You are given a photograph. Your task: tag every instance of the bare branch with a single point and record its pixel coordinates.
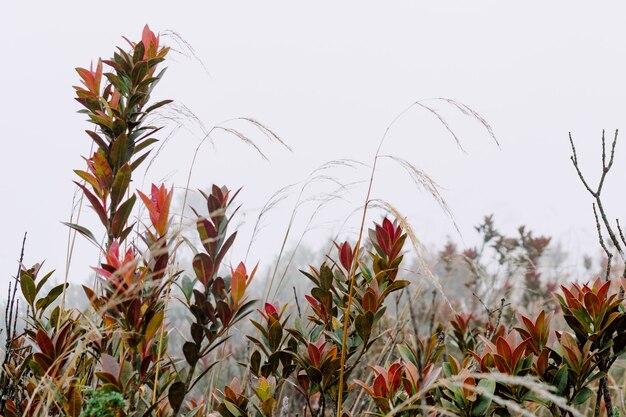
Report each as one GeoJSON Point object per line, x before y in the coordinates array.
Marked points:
{"type": "Point", "coordinates": [621, 232]}
{"type": "Point", "coordinates": [608, 253]}
{"type": "Point", "coordinates": [574, 159]}
{"type": "Point", "coordinates": [598, 207]}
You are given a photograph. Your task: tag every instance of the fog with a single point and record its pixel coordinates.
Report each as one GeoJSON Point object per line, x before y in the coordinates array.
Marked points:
{"type": "Point", "coordinates": [329, 79]}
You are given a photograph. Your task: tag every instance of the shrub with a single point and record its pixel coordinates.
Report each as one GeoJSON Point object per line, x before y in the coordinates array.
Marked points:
{"type": "Point", "coordinates": [344, 354]}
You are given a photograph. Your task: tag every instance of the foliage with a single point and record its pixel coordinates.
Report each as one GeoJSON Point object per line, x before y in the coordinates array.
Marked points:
{"type": "Point", "coordinates": [346, 353]}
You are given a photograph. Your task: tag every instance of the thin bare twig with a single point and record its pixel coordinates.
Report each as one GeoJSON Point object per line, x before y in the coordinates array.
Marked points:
{"type": "Point", "coordinates": [599, 213]}
{"type": "Point", "coordinates": [597, 193]}
{"type": "Point", "coordinates": [295, 296]}
{"type": "Point", "coordinates": [609, 255]}
{"type": "Point", "coordinates": [6, 384]}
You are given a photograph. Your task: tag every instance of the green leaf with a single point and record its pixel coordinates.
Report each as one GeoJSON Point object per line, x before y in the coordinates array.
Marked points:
{"type": "Point", "coordinates": [225, 246]}
{"type": "Point", "coordinates": [83, 231]}
{"type": "Point", "coordinates": [259, 344]}
{"type": "Point", "coordinates": [260, 327]}
{"type": "Point", "coordinates": [120, 185]}
{"type": "Point", "coordinates": [139, 146]}
{"type": "Point", "coordinates": [135, 164]}
{"type": "Point", "coordinates": [54, 293]}
{"type": "Point", "coordinates": [54, 315]}
{"type": "Point", "coordinates": [121, 216]}
{"type": "Point", "coordinates": [139, 72]}
{"type": "Point", "coordinates": [90, 179]}
{"type": "Point", "coordinates": [326, 278]}
{"type": "Point", "coordinates": [153, 325]}
{"type": "Point", "coordinates": [244, 310]}
{"type": "Point", "coordinates": [42, 281]}
{"type": "Point", "coordinates": [394, 286]}
{"type": "Point", "coordinates": [560, 380]}
{"type": "Point", "coordinates": [134, 100]}
{"type": "Point", "coordinates": [154, 80]}
{"type": "Point", "coordinates": [126, 232]}
{"type": "Point", "coordinates": [595, 377]}
{"type": "Point", "coordinates": [310, 276]}
{"type": "Point", "coordinates": [157, 105]}
{"type": "Point", "coordinates": [187, 285]}
{"type": "Point", "coordinates": [118, 83]}
{"type": "Point", "coordinates": [119, 128]}
{"type": "Point", "coordinates": [35, 367]}
{"type": "Point", "coordinates": [119, 151]}
{"type": "Point", "coordinates": [139, 51]}
{"type": "Point", "coordinates": [28, 288]}
{"type": "Point", "coordinates": [335, 337]}
{"type": "Point", "coordinates": [406, 354]}
{"type": "Point", "coordinates": [363, 324]}
{"type": "Point", "coordinates": [582, 396]}
{"type": "Point", "coordinates": [482, 405]}
{"type": "Point", "coordinates": [232, 408]}
{"type": "Point", "coordinates": [42, 303]}
{"type": "Point", "coordinates": [103, 122]}
{"type": "Point", "coordinates": [275, 335]}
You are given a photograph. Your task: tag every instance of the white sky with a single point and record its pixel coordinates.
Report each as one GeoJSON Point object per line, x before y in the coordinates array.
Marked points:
{"type": "Point", "coordinates": [328, 78]}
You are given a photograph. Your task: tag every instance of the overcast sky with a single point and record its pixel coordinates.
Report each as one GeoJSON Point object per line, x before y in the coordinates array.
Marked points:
{"type": "Point", "coordinates": [328, 77]}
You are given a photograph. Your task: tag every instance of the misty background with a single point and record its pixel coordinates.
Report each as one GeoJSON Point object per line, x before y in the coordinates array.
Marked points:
{"type": "Point", "coordinates": [328, 78]}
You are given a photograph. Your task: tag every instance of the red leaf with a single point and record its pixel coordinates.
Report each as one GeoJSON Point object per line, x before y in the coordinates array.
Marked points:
{"type": "Point", "coordinates": [238, 283]}
{"type": "Point", "coordinates": [504, 349]}
{"type": "Point", "coordinates": [314, 354]}
{"type": "Point", "coordinates": [370, 302]}
{"type": "Point", "coordinates": [203, 267]}
{"type": "Point", "coordinates": [270, 309]}
{"type": "Point", "coordinates": [395, 376]}
{"type": "Point", "coordinates": [380, 386]}
{"type": "Point", "coordinates": [44, 343]}
{"type": "Point", "coordinates": [501, 364]}
{"type": "Point", "coordinates": [345, 256]}
{"type": "Point", "coordinates": [95, 203]}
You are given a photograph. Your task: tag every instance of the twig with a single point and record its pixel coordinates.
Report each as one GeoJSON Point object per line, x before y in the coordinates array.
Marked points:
{"type": "Point", "coordinates": [11, 327]}
{"type": "Point", "coordinates": [608, 402]}
{"type": "Point", "coordinates": [609, 255]}
{"type": "Point", "coordinates": [413, 319]}
{"type": "Point", "coordinates": [621, 232]}
{"type": "Point", "coordinates": [491, 312]}
{"type": "Point", "coordinates": [606, 167]}
{"type": "Point", "coordinates": [621, 235]}
{"type": "Point", "coordinates": [295, 296]}
{"type": "Point", "coordinates": [600, 213]}
{"type": "Point", "coordinates": [500, 310]}
{"type": "Point", "coordinates": [434, 311]}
